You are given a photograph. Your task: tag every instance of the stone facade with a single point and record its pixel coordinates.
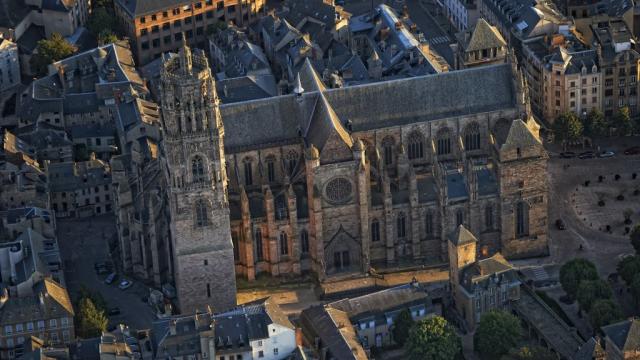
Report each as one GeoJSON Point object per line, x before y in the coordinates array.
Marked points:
{"type": "Point", "coordinates": [194, 166]}
{"type": "Point", "coordinates": [339, 181]}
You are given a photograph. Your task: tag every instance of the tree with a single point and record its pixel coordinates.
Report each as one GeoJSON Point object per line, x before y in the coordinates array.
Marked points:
{"type": "Point", "coordinates": [622, 122]}
{"type": "Point", "coordinates": [101, 19]}
{"type": "Point", "coordinates": [635, 238]}
{"type": "Point", "coordinates": [96, 4]}
{"type": "Point", "coordinates": [567, 127]}
{"type": "Point", "coordinates": [91, 322]}
{"type": "Point", "coordinates": [589, 291]}
{"type": "Point", "coordinates": [530, 353]}
{"type": "Point", "coordinates": [497, 333]}
{"type": "Point", "coordinates": [49, 51]}
{"type": "Point", "coordinates": [604, 312]}
{"type": "Point", "coordinates": [574, 272]}
{"type": "Point", "coordinates": [106, 36]}
{"type": "Point", "coordinates": [401, 327]}
{"type": "Point", "coordinates": [594, 124]}
{"type": "Point", "coordinates": [628, 268]}
{"type": "Point", "coordinates": [432, 339]}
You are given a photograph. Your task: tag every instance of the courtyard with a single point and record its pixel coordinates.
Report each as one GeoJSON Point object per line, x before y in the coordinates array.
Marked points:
{"type": "Point", "coordinates": [606, 204]}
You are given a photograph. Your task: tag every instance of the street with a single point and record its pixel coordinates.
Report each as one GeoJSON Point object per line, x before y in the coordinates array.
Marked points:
{"type": "Point", "coordinates": [83, 242]}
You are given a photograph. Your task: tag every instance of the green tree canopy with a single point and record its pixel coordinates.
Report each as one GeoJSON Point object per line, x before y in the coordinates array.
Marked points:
{"type": "Point", "coordinates": [91, 322]}
{"type": "Point", "coordinates": [567, 127]}
{"type": "Point", "coordinates": [432, 339]}
{"type": "Point", "coordinates": [401, 327]}
{"type": "Point", "coordinates": [497, 333]}
{"type": "Point", "coordinates": [106, 37]}
{"type": "Point", "coordinates": [595, 124]}
{"type": "Point", "coordinates": [100, 20]}
{"type": "Point", "coordinates": [589, 291]}
{"type": "Point", "coordinates": [102, 4]}
{"type": "Point", "coordinates": [574, 272]}
{"type": "Point", "coordinates": [530, 353]}
{"type": "Point", "coordinates": [628, 268]}
{"type": "Point", "coordinates": [604, 312]}
{"type": "Point", "coordinates": [635, 238]}
{"type": "Point", "coordinates": [622, 122]}
{"type": "Point", "coordinates": [49, 51]}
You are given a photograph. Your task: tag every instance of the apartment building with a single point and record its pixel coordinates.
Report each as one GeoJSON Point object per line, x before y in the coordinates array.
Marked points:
{"type": "Point", "coordinates": [45, 312]}
{"type": "Point", "coordinates": [156, 27]}
{"type": "Point", "coordinates": [571, 82]}
{"type": "Point", "coordinates": [619, 62]}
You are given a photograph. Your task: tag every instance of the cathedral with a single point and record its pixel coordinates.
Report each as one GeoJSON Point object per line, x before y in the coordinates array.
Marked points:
{"type": "Point", "coordinates": [335, 181]}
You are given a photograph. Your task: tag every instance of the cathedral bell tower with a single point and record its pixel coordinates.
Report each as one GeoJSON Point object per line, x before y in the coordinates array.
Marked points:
{"type": "Point", "coordinates": [194, 162]}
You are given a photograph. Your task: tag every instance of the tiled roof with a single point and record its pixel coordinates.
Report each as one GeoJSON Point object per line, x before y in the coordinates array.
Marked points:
{"type": "Point", "coordinates": [485, 36]}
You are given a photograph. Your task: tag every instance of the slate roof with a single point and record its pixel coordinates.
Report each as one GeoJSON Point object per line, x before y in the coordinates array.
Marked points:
{"type": "Point", "coordinates": [245, 88]}
{"type": "Point", "coordinates": [574, 61]}
{"type": "Point", "coordinates": [520, 135]}
{"type": "Point", "coordinates": [58, 5]}
{"type": "Point", "coordinates": [233, 329]}
{"type": "Point", "coordinates": [482, 273]}
{"type": "Point", "coordinates": [57, 304]}
{"type": "Point", "coordinates": [625, 335]}
{"type": "Point", "coordinates": [324, 124]}
{"type": "Point", "coordinates": [380, 301]}
{"type": "Point", "coordinates": [335, 331]}
{"type": "Point", "coordinates": [485, 36]}
{"type": "Point", "coordinates": [590, 350]}
{"type": "Point", "coordinates": [258, 123]}
{"type": "Point", "coordinates": [462, 236]}
{"type": "Point", "coordinates": [137, 8]}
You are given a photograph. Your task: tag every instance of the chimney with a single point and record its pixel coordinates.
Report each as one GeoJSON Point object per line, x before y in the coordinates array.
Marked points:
{"type": "Point", "coordinates": [172, 327]}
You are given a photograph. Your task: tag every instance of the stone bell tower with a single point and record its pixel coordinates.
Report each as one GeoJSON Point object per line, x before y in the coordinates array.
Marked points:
{"type": "Point", "coordinates": [195, 170]}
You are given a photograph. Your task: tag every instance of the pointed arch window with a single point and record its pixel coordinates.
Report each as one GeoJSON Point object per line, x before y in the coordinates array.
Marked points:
{"type": "Point", "coordinates": [472, 137]}
{"type": "Point", "coordinates": [292, 161]}
{"type": "Point", "coordinates": [459, 217]}
{"type": "Point", "coordinates": [271, 169]}
{"type": "Point", "coordinates": [444, 141]}
{"type": "Point", "coordinates": [258, 244]}
{"type": "Point", "coordinates": [375, 230]}
{"type": "Point", "coordinates": [197, 169]}
{"type": "Point", "coordinates": [416, 146]}
{"type": "Point", "coordinates": [428, 226]}
{"type": "Point", "coordinates": [202, 210]}
{"type": "Point", "coordinates": [488, 217]}
{"type": "Point", "coordinates": [387, 148]}
{"type": "Point", "coordinates": [284, 244]}
{"type": "Point", "coordinates": [401, 226]}
{"type": "Point", "coordinates": [304, 241]}
{"type": "Point", "coordinates": [248, 171]}
{"type": "Point", "coordinates": [522, 219]}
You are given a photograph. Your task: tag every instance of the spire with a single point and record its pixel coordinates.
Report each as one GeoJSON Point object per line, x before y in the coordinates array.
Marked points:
{"type": "Point", "coordinates": [185, 57]}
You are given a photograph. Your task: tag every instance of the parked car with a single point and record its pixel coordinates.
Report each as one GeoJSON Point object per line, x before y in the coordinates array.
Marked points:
{"type": "Point", "coordinates": [101, 270]}
{"type": "Point", "coordinates": [110, 279]}
{"type": "Point", "coordinates": [634, 150]}
{"type": "Point", "coordinates": [567, 154]}
{"type": "Point", "coordinates": [587, 155]}
{"type": "Point", "coordinates": [560, 224]}
{"type": "Point", "coordinates": [114, 311]}
{"type": "Point", "coordinates": [125, 284]}
{"type": "Point", "coordinates": [606, 154]}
